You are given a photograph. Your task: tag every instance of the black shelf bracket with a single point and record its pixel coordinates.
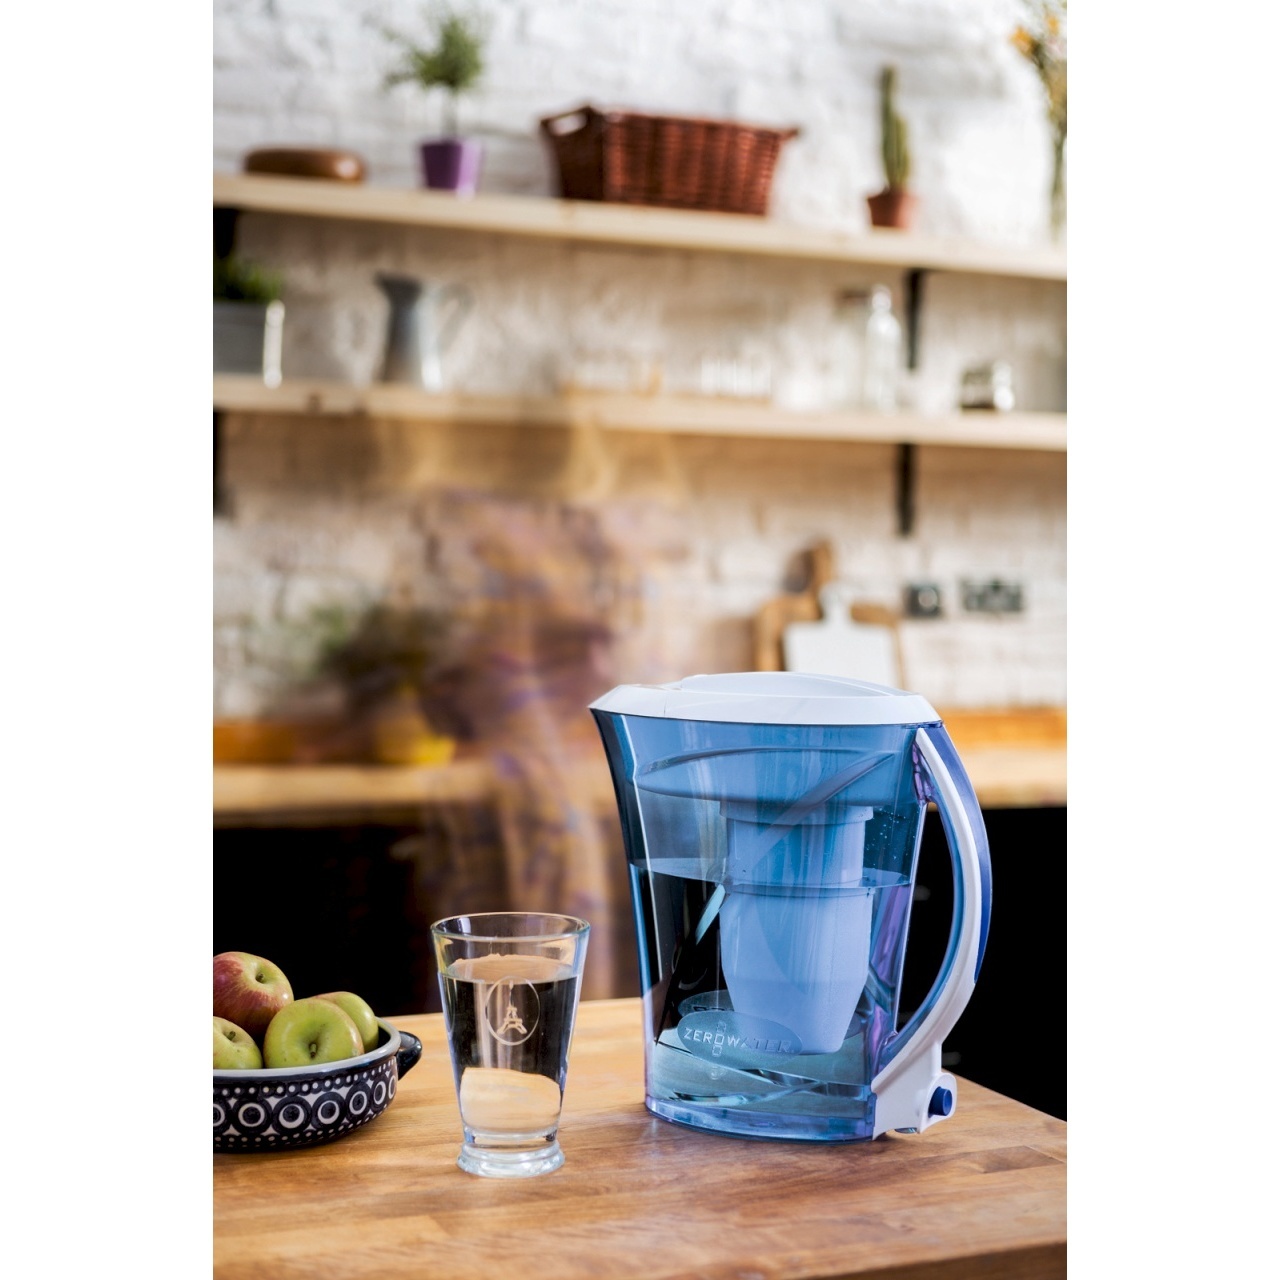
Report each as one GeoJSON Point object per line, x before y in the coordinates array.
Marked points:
{"type": "Point", "coordinates": [221, 498]}
{"type": "Point", "coordinates": [913, 300]}
{"type": "Point", "coordinates": [905, 497]}
{"type": "Point", "coordinates": [224, 241]}
{"type": "Point", "coordinates": [224, 230]}
{"type": "Point", "coordinates": [906, 490]}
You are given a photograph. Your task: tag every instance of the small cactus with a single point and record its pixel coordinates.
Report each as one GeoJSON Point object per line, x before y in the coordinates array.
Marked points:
{"type": "Point", "coordinates": [893, 135]}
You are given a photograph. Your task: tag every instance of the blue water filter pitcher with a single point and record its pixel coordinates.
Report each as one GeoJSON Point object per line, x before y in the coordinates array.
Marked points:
{"type": "Point", "coordinates": [772, 822]}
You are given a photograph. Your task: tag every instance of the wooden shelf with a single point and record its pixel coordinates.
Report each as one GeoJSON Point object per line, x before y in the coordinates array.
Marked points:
{"type": "Point", "coordinates": [1014, 759]}
{"type": "Point", "coordinates": [671, 414]}
{"type": "Point", "coordinates": [246, 794]}
{"type": "Point", "coordinates": [582, 221]}
{"type": "Point", "coordinates": [1003, 777]}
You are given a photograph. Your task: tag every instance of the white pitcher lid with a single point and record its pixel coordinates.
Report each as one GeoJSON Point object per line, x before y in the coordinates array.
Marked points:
{"type": "Point", "coordinates": [770, 697]}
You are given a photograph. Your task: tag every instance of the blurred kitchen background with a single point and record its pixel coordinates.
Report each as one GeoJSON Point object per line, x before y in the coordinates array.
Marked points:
{"type": "Point", "coordinates": [627, 445]}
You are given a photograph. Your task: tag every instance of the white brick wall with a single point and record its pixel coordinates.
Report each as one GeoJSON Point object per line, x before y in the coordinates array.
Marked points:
{"type": "Point", "coordinates": [341, 511]}
{"type": "Point", "coordinates": [309, 72]}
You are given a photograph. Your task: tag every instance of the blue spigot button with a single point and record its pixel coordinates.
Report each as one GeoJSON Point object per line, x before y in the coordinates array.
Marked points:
{"type": "Point", "coordinates": [941, 1102]}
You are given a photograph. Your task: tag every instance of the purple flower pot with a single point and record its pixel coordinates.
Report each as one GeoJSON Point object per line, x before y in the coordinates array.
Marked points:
{"type": "Point", "coordinates": [451, 164]}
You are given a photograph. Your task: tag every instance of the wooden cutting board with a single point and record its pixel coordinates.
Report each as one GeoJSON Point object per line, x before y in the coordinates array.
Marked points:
{"type": "Point", "coordinates": [836, 645]}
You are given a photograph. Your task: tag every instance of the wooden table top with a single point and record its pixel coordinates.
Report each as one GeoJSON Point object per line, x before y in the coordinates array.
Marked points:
{"type": "Point", "coordinates": [982, 1194]}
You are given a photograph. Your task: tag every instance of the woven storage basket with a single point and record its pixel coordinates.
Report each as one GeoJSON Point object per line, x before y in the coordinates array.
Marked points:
{"type": "Point", "coordinates": [680, 162]}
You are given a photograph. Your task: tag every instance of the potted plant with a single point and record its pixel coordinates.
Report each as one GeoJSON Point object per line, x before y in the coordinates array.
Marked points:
{"type": "Point", "coordinates": [385, 661]}
{"type": "Point", "coordinates": [248, 319]}
{"type": "Point", "coordinates": [895, 206]}
{"type": "Point", "coordinates": [347, 681]}
{"type": "Point", "coordinates": [1044, 44]}
{"type": "Point", "coordinates": [454, 62]}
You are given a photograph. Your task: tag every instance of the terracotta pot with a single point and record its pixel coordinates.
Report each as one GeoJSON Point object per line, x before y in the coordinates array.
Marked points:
{"type": "Point", "coordinates": [892, 209]}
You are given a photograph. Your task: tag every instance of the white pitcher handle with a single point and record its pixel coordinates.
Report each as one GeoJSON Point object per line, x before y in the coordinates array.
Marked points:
{"type": "Point", "coordinates": [912, 1091]}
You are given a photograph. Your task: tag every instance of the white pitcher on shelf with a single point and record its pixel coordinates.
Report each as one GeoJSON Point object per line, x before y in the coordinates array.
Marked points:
{"type": "Point", "coordinates": [422, 323]}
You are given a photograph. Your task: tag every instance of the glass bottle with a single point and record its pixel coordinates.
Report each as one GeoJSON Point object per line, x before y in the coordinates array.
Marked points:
{"type": "Point", "coordinates": [882, 353]}
{"type": "Point", "coordinates": [848, 333]}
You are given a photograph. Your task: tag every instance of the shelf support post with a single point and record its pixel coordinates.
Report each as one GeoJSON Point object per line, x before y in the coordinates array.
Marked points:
{"type": "Point", "coordinates": [914, 301]}
{"type": "Point", "coordinates": [905, 497]}
{"type": "Point", "coordinates": [906, 490]}
{"type": "Point", "coordinates": [221, 499]}
{"type": "Point", "coordinates": [224, 230]}
{"type": "Point", "coordinates": [225, 219]}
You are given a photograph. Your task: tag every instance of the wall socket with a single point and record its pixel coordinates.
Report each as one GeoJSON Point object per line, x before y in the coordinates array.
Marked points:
{"type": "Point", "coordinates": [922, 600]}
{"type": "Point", "coordinates": [993, 596]}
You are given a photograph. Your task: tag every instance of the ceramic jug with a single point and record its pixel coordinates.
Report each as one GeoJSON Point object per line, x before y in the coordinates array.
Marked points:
{"type": "Point", "coordinates": [422, 322]}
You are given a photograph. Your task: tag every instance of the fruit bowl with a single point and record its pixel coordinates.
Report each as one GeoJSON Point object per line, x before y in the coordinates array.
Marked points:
{"type": "Point", "coordinates": [279, 1108]}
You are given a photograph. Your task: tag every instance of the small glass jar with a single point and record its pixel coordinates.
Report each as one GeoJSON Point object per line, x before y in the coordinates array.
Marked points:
{"type": "Point", "coordinates": [987, 386]}
{"type": "Point", "coordinates": [845, 355]}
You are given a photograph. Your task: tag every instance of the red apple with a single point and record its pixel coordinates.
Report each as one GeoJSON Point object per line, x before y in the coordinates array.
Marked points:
{"type": "Point", "coordinates": [248, 991]}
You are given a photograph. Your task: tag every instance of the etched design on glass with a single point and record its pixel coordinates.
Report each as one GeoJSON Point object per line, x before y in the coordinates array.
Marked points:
{"type": "Point", "coordinates": [511, 1009]}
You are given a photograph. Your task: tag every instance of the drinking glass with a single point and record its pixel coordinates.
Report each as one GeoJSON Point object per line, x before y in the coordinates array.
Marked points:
{"type": "Point", "coordinates": [509, 981]}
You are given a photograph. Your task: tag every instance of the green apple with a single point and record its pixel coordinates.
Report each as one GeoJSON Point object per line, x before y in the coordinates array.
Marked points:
{"type": "Point", "coordinates": [359, 1012]}
{"type": "Point", "coordinates": [233, 1047]}
{"type": "Point", "coordinates": [310, 1031]}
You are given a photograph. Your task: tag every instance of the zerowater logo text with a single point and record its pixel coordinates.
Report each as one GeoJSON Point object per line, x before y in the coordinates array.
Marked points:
{"type": "Point", "coordinates": [717, 1039]}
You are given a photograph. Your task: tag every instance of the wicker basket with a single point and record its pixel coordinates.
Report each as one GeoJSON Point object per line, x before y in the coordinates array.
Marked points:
{"type": "Point", "coordinates": [676, 161]}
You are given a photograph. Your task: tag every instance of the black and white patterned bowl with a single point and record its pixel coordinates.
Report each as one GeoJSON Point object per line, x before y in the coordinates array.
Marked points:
{"type": "Point", "coordinates": [286, 1107]}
